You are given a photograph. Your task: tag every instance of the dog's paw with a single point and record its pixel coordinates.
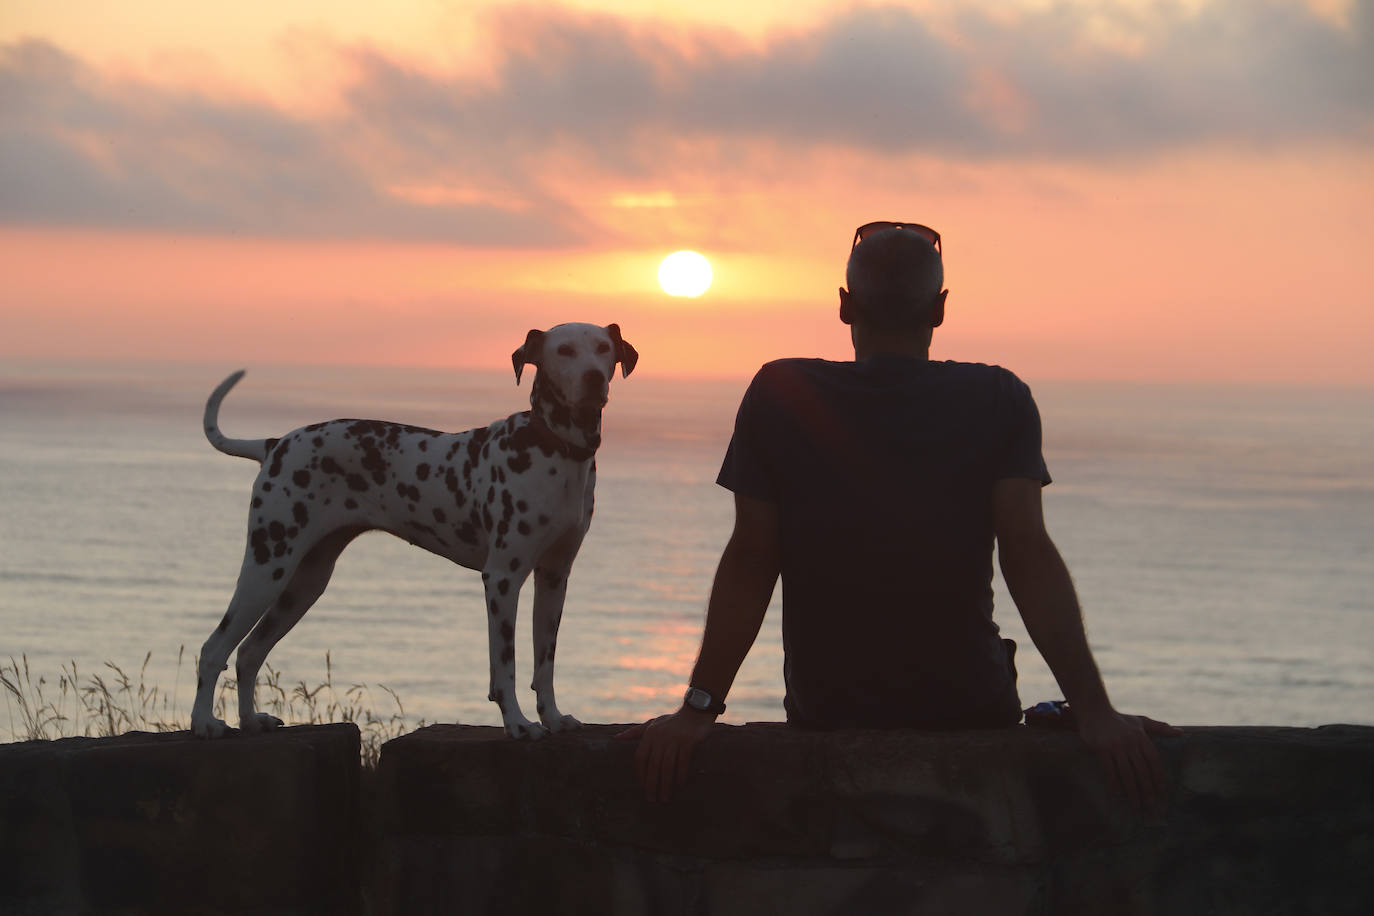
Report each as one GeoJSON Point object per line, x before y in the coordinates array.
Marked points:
{"type": "Point", "coordinates": [259, 722]}
{"type": "Point", "coordinates": [558, 724]}
{"type": "Point", "coordinates": [210, 728]}
{"type": "Point", "coordinates": [531, 731]}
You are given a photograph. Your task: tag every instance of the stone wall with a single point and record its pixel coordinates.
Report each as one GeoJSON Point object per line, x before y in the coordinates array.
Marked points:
{"type": "Point", "coordinates": [461, 820]}
{"type": "Point", "coordinates": [1259, 820]}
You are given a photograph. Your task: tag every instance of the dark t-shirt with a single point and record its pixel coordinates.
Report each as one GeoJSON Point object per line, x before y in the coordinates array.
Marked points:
{"type": "Point", "coordinates": [882, 472]}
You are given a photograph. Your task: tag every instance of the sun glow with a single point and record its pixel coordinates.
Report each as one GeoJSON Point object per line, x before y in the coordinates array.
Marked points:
{"type": "Point", "coordinates": [684, 273]}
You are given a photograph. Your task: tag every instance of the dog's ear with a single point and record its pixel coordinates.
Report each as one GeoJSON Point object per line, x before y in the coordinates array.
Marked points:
{"type": "Point", "coordinates": [530, 353]}
{"type": "Point", "coordinates": [625, 354]}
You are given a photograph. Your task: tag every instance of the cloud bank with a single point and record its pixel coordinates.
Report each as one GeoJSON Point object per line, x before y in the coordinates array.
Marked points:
{"type": "Point", "coordinates": [410, 153]}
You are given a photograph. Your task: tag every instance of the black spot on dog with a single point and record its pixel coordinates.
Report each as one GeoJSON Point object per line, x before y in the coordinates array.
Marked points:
{"type": "Point", "coordinates": [356, 483]}
{"type": "Point", "coordinates": [278, 573]}
{"type": "Point", "coordinates": [523, 527]}
{"type": "Point", "coordinates": [301, 478]}
{"type": "Point", "coordinates": [543, 519]}
{"type": "Point", "coordinates": [279, 551]}
{"type": "Point", "coordinates": [407, 491]}
{"type": "Point", "coordinates": [514, 564]}
{"type": "Point", "coordinates": [276, 531]}
{"type": "Point", "coordinates": [495, 608]}
{"type": "Point", "coordinates": [267, 486]}
{"type": "Point", "coordinates": [519, 462]}
{"type": "Point", "coordinates": [422, 470]}
{"type": "Point", "coordinates": [318, 442]}
{"type": "Point", "coordinates": [257, 501]}
{"type": "Point", "coordinates": [330, 466]}
{"type": "Point", "coordinates": [298, 512]}
{"type": "Point", "coordinates": [521, 506]}
{"type": "Point", "coordinates": [292, 532]}
{"type": "Point", "coordinates": [507, 632]}
{"type": "Point", "coordinates": [503, 587]}
{"type": "Point", "coordinates": [553, 471]}
{"type": "Point", "coordinates": [423, 446]}
{"type": "Point", "coordinates": [278, 453]}
{"type": "Point", "coordinates": [439, 516]}
{"type": "Point", "coordinates": [350, 503]}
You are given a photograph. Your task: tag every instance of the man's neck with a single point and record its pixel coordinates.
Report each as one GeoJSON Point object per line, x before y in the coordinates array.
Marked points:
{"type": "Point", "coordinates": [911, 345]}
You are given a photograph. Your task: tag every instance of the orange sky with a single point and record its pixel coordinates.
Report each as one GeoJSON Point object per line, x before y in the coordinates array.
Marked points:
{"type": "Point", "coordinates": [1123, 192]}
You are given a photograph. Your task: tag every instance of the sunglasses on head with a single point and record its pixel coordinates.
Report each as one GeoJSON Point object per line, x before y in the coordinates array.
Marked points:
{"type": "Point", "coordinates": [868, 229]}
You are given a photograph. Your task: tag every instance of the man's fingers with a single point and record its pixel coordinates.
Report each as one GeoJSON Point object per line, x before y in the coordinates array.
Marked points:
{"type": "Point", "coordinates": [1155, 763]}
{"type": "Point", "coordinates": [684, 757]}
{"type": "Point", "coordinates": [666, 769]}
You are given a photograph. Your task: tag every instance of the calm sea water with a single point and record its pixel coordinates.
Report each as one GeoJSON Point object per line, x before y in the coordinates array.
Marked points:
{"type": "Point", "coordinates": [1222, 541]}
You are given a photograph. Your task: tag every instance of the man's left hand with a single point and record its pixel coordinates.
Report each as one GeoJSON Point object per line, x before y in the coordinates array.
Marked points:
{"type": "Point", "coordinates": [1127, 751]}
{"type": "Point", "coordinates": [665, 749]}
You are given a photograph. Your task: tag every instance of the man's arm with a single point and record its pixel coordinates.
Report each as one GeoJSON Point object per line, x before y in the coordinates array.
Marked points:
{"type": "Point", "coordinates": [1044, 594]}
{"type": "Point", "coordinates": [743, 586]}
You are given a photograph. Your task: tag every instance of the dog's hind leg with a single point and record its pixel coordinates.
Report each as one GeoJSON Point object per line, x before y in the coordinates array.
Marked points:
{"type": "Point", "coordinates": [253, 595]}
{"type": "Point", "coordinates": [301, 592]}
{"type": "Point", "coordinates": [550, 589]}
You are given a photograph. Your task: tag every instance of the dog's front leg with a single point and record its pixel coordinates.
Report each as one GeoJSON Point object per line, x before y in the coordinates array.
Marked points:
{"type": "Point", "coordinates": [550, 590]}
{"type": "Point", "coordinates": [503, 593]}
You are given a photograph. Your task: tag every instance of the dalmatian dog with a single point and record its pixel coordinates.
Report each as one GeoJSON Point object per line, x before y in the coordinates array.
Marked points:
{"type": "Point", "coordinates": [512, 499]}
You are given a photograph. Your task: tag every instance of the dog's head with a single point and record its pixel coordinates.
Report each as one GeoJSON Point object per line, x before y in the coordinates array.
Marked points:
{"type": "Point", "coordinates": [577, 360]}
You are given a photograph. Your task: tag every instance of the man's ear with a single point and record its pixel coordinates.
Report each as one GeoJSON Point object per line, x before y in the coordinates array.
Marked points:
{"type": "Point", "coordinates": [846, 306]}
{"type": "Point", "coordinates": [531, 353]}
{"type": "Point", "coordinates": [937, 309]}
{"type": "Point", "coordinates": [625, 354]}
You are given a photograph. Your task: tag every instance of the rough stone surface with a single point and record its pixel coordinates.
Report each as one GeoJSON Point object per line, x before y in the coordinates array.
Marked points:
{"type": "Point", "coordinates": [167, 823]}
{"type": "Point", "coordinates": [775, 820]}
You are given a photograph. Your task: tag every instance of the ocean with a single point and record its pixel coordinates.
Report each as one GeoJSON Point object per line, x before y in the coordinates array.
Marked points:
{"type": "Point", "coordinates": [1222, 541]}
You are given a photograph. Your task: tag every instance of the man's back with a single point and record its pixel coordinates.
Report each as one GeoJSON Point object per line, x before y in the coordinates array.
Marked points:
{"type": "Point", "coordinates": [882, 473]}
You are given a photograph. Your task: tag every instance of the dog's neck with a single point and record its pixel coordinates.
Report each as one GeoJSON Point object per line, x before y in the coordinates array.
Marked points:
{"type": "Point", "coordinates": [574, 432]}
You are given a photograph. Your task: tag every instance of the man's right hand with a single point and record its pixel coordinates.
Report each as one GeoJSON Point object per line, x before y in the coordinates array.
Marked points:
{"type": "Point", "coordinates": [665, 749]}
{"type": "Point", "coordinates": [1128, 754]}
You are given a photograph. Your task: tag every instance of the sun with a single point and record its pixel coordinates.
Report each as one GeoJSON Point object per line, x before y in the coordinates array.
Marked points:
{"type": "Point", "coordinates": [684, 273]}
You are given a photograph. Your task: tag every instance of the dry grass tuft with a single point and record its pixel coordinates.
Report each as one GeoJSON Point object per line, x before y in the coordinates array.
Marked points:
{"type": "Point", "coordinates": [110, 703]}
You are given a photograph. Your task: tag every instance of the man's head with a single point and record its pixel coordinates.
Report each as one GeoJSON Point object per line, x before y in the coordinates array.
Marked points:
{"type": "Point", "coordinates": [895, 279]}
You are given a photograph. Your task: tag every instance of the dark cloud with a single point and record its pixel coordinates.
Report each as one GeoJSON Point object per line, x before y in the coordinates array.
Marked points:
{"type": "Point", "coordinates": [76, 148]}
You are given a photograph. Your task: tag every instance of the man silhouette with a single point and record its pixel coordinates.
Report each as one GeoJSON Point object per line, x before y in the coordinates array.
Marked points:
{"type": "Point", "coordinates": [876, 489]}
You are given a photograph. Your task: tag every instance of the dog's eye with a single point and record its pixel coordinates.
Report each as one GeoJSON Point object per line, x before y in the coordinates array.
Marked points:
{"type": "Point", "coordinates": [603, 348]}
{"type": "Point", "coordinates": [566, 350]}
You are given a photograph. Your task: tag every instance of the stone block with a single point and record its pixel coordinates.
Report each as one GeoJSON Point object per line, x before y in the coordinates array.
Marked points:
{"type": "Point", "coordinates": [166, 823]}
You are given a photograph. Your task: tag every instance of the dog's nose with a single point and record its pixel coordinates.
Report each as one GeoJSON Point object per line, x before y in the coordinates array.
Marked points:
{"type": "Point", "coordinates": [593, 379]}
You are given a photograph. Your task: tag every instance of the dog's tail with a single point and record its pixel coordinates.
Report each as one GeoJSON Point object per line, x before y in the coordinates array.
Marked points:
{"type": "Point", "coordinates": [242, 448]}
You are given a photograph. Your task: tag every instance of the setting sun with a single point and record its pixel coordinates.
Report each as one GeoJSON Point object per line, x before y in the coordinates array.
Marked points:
{"type": "Point", "coordinates": [684, 273]}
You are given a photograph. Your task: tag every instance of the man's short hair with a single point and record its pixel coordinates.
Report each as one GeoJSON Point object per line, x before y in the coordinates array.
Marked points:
{"type": "Point", "coordinates": [893, 277]}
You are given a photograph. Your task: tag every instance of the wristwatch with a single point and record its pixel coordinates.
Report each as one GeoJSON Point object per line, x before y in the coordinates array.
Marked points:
{"type": "Point", "coordinates": [702, 701]}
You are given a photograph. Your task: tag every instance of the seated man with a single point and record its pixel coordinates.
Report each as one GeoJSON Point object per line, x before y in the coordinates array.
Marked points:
{"type": "Point", "coordinates": [876, 489]}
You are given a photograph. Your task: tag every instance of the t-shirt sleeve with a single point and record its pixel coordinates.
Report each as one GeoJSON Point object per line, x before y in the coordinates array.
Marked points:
{"type": "Point", "coordinates": [747, 469]}
{"type": "Point", "coordinates": [1022, 455]}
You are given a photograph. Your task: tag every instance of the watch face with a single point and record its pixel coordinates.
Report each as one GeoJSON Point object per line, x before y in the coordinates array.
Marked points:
{"type": "Point", "coordinates": [698, 698]}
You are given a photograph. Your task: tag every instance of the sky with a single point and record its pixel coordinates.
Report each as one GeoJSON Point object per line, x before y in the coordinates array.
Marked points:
{"type": "Point", "coordinates": [1155, 191]}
